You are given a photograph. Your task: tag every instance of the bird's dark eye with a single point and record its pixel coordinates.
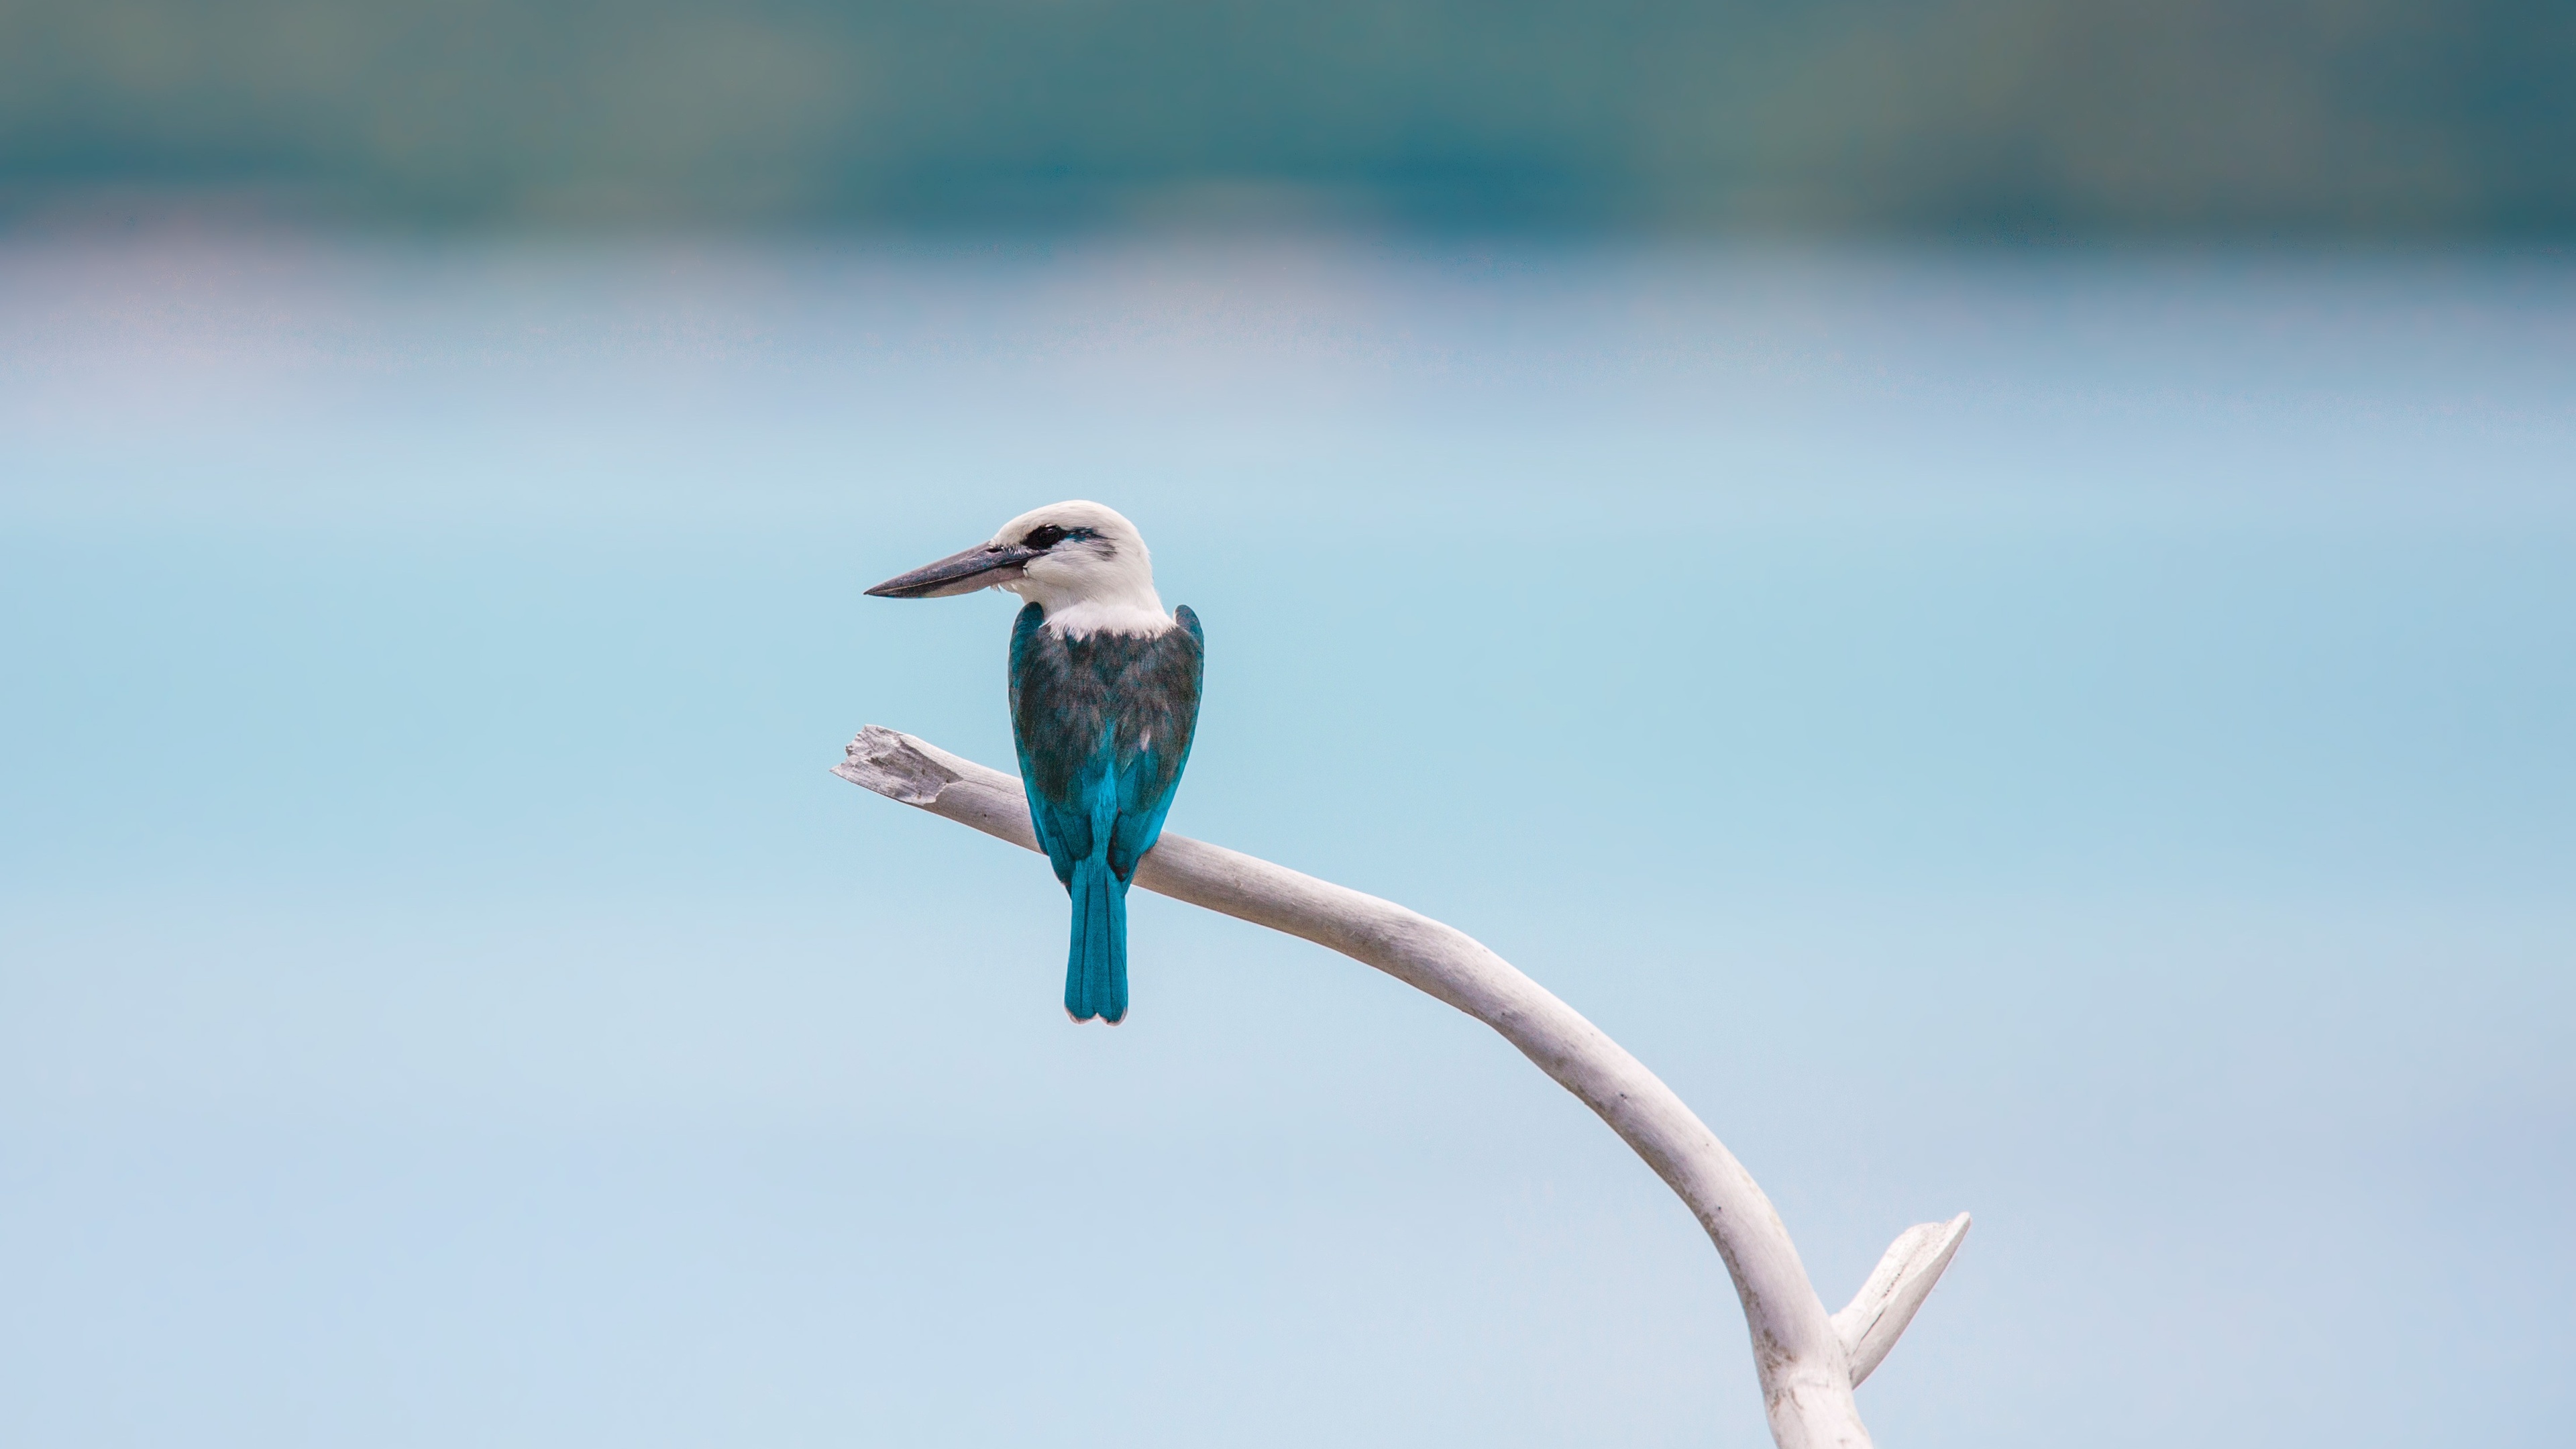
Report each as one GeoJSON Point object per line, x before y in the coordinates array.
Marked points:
{"type": "Point", "coordinates": [1048, 535]}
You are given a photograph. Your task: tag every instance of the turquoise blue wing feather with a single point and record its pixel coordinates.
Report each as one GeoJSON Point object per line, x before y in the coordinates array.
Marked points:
{"type": "Point", "coordinates": [1062, 834]}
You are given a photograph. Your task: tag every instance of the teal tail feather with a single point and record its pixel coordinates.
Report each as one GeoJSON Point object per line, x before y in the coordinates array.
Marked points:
{"type": "Point", "coordinates": [1095, 974]}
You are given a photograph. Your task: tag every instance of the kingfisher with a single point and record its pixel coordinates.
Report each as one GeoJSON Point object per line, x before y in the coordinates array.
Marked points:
{"type": "Point", "coordinates": [1104, 705]}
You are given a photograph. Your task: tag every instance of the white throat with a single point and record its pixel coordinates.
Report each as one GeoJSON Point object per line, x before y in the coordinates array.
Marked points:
{"type": "Point", "coordinates": [1096, 602]}
{"type": "Point", "coordinates": [1107, 616]}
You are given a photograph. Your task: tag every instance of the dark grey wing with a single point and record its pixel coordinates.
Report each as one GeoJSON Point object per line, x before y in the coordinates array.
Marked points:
{"type": "Point", "coordinates": [1157, 707]}
{"type": "Point", "coordinates": [1056, 704]}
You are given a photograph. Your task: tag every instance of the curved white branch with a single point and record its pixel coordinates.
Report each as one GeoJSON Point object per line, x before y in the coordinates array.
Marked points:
{"type": "Point", "coordinates": [1808, 1362]}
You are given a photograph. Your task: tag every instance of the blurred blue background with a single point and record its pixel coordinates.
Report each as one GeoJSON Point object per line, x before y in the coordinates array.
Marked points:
{"type": "Point", "coordinates": [2075, 732]}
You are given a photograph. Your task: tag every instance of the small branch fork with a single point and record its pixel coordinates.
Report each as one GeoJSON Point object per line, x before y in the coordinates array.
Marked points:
{"type": "Point", "coordinates": [1809, 1361]}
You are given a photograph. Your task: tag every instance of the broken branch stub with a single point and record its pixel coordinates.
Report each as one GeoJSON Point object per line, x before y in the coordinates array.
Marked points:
{"type": "Point", "coordinates": [1809, 1362]}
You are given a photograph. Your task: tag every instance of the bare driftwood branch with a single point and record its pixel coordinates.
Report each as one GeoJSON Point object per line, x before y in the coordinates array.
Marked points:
{"type": "Point", "coordinates": [1809, 1361]}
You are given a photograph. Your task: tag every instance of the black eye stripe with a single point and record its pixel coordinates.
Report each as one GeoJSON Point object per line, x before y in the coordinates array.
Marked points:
{"type": "Point", "coordinates": [1048, 535]}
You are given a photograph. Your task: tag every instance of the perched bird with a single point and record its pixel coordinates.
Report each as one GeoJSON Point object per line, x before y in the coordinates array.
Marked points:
{"type": "Point", "coordinates": [1104, 703]}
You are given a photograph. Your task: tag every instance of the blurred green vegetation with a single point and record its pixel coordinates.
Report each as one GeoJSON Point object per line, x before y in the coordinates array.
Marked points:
{"type": "Point", "coordinates": [2033, 117]}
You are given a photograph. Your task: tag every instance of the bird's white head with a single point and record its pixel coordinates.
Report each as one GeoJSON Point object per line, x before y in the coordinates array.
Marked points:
{"type": "Point", "coordinates": [1082, 562]}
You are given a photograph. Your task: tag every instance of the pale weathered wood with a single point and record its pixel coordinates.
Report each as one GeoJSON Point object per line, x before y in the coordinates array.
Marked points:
{"type": "Point", "coordinates": [1809, 1362]}
{"type": "Point", "coordinates": [1870, 1323]}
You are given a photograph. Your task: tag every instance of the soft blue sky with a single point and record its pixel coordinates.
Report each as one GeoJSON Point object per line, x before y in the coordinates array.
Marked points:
{"type": "Point", "coordinates": [2077, 738]}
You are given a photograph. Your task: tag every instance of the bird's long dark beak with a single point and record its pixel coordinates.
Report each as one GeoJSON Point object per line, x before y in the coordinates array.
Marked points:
{"type": "Point", "coordinates": [980, 567]}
